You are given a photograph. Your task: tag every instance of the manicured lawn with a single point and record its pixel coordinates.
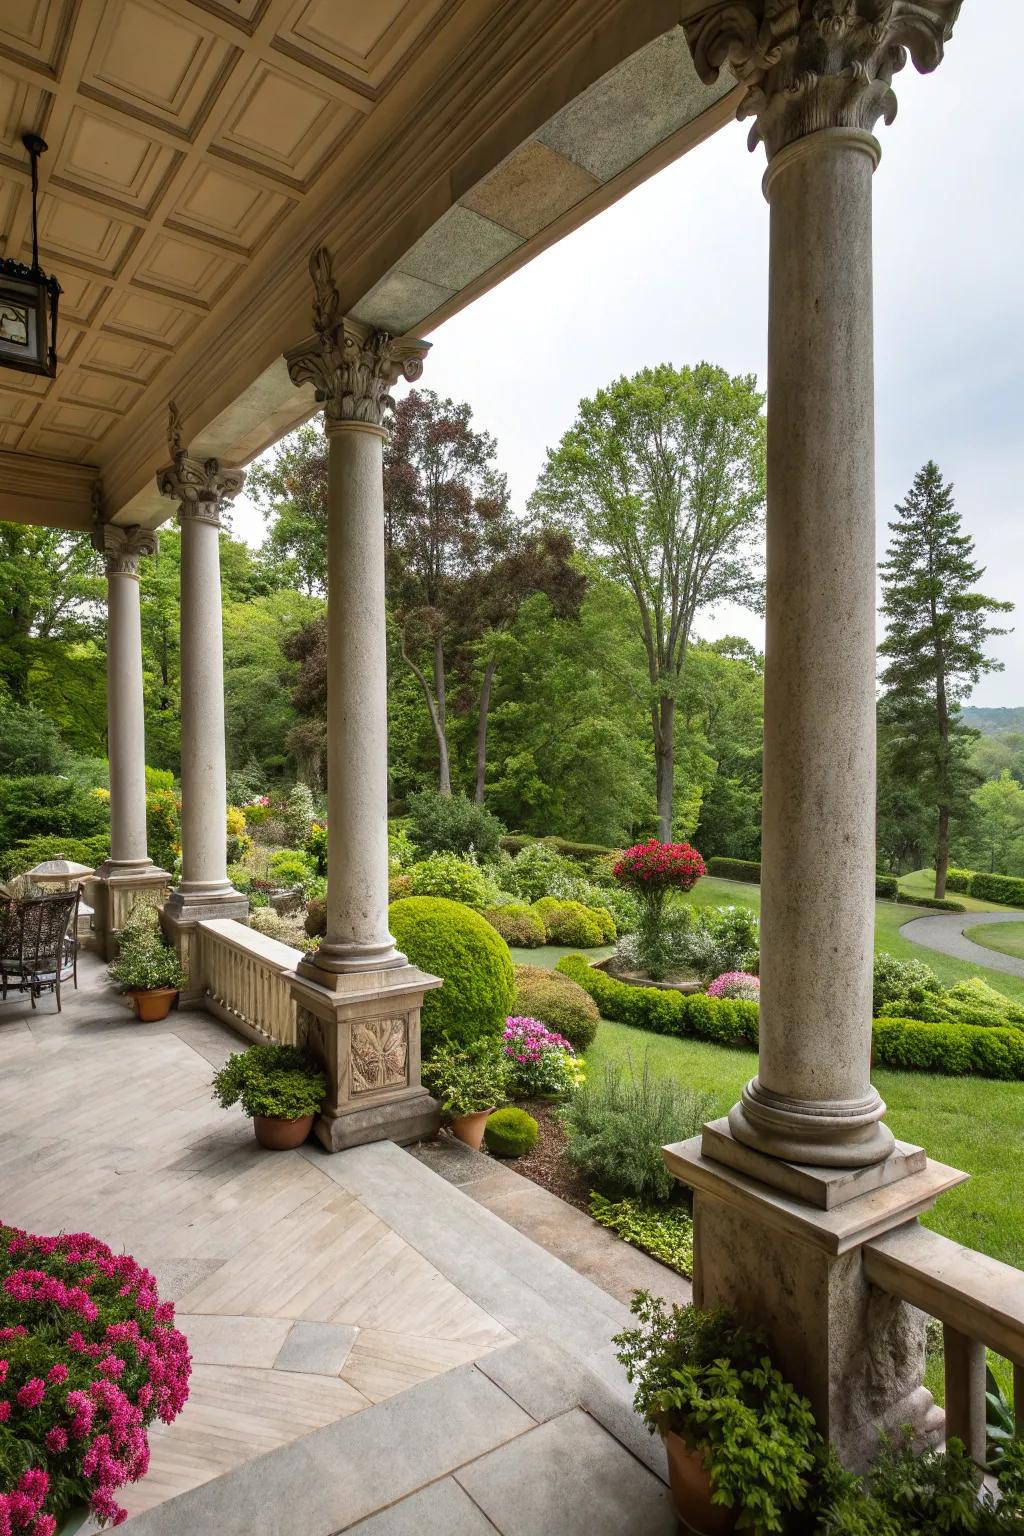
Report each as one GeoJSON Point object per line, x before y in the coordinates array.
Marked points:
{"type": "Point", "coordinates": [971, 1123]}
{"type": "Point", "coordinates": [921, 882]}
{"type": "Point", "coordinates": [1007, 938]}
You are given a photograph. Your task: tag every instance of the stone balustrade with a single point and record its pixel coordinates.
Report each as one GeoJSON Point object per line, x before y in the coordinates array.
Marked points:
{"type": "Point", "coordinates": [980, 1304]}
{"type": "Point", "coordinates": [242, 975]}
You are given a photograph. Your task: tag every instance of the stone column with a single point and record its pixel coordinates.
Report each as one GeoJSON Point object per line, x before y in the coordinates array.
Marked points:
{"type": "Point", "coordinates": [201, 488]}
{"type": "Point", "coordinates": [804, 1171]}
{"type": "Point", "coordinates": [359, 998]}
{"type": "Point", "coordinates": [129, 874]}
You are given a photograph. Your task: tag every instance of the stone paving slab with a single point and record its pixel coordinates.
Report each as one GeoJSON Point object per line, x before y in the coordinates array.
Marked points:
{"type": "Point", "coordinates": [443, 1507]}
{"type": "Point", "coordinates": [571, 1477]}
{"type": "Point", "coordinates": [320, 1348]}
{"type": "Point", "coordinates": [342, 1473]}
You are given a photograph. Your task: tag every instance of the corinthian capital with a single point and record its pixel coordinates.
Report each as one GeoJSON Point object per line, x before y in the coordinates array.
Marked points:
{"type": "Point", "coordinates": [122, 548]}
{"type": "Point", "coordinates": [811, 64]}
{"type": "Point", "coordinates": [201, 487]}
{"type": "Point", "coordinates": [350, 366]}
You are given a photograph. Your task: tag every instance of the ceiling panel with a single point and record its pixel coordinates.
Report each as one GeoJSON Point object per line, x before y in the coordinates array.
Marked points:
{"type": "Point", "coordinates": [36, 31]}
{"type": "Point", "coordinates": [282, 124]}
{"type": "Point", "coordinates": [351, 38]}
{"type": "Point", "coordinates": [115, 160]}
{"type": "Point", "coordinates": [221, 203]}
{"type": "Point", "coordinates": [155, 64]}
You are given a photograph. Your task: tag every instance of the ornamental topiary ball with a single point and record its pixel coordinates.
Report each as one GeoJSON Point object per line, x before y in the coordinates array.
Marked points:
{"type": "Point", "coordinates": [449, 940]}
{"type": "Point", "coordinates": [510, 1132]}
{"type": "Point", "coordinates": [518, 925]}
{"type": "Point", "coordinates": [557, 1001]}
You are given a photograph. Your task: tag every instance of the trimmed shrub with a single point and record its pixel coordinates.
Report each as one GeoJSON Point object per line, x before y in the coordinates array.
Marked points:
{"type": "Point", "coordinates": [895, 978]}
{"type": "Point", "coordinates": [570, 922]}
{"type": "Point", "coordinates": [449, 940]}
{"type": "Point", "coordinates": [31, 851]}
{"type": "Point", "coordinates": [315, 847]}
{"type": "Point", "coordinates": [887, 886]}
{"type": "Point", "coordinates": [959, 880]}
{"type": "Point", "coordinates": [620, 904]}
{"type": "Point", "coordinates": [399, 886]}
{"type": "Point", "coordinates": [957, 1050]}
{"type": "Point", "coordinates": [558, 1002]}
{"type": "Point", "coordinates": [617, 1127]}
{"type": "Point", "coordinates": [726, 1020]}
{"type": "Point", "coordinates": [1006, 889]}
{"type": "Point", "coordinates": [936, 903]}
{"type": "Point", "coordinates": [163, 826]}
{"type": "Point", "coordinates": [448, 876]}
{"type": "Point", "coordinates": [290, 867]}
{"type": "Point", "coordinates": [736, 869]}
{"type": "Point", "coordinates": [518, 925]}
{"type": "Point", "coordinates": [511, 1132]}
{"type": "Point", "coordinates": [452, 824]}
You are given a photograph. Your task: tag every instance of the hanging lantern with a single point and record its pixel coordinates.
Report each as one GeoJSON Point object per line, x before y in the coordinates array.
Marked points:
{"type": "Point", "coordinates": [28, 298]}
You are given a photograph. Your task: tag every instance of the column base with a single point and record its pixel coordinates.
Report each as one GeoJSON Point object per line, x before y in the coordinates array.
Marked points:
{"type": "Point", "coordinates": [796, 1270]}
{"type": "Point", "coordinates": [112, 892]}
{"type": "Point", "coordinates": [330, 963]}
{"type": "Point", "coordinates": [837, 1133]}
{"type": "Point", "coordinates": [364, 1029]}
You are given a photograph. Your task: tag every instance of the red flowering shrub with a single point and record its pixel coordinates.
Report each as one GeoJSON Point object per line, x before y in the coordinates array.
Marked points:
{"type": "Point", "coordinates": [653, 869]}
{"type": "Point", "coordinates": [89, 1357]}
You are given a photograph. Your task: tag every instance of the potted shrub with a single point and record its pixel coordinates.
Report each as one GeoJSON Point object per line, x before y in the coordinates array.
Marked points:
{"type": "Point", "coordinates": [90, 1358]}
{"type": "Point", "coordinates": [470, 1082]}
{"type": "Point", "coordinates": [147, 967]}
{"type": "Point", "coordinates": [279, 1087]}
{"type": "Point", "coordinates": [741, 1441]}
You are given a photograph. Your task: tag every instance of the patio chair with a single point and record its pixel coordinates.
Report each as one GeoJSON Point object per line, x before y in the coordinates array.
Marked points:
{"type": "Point", "coordinates": [34, 953]}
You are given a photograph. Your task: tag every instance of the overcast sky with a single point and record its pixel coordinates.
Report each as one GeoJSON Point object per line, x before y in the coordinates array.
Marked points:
{"type": "Point", "coordinates": [677, 271]}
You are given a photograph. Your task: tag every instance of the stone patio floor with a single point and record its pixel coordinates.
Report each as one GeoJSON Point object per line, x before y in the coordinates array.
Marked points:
{"type": "Point", "coordinates": [374, 1348]}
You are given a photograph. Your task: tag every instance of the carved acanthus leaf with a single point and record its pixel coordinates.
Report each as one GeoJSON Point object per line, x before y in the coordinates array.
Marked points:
{"type": "Point", "coordinates": [201, 487]}
{"type": "Point", "coordinates": [122, 548]}
{"type": "Point", "coordinates": [812, 64]}
{"type": "Point", "coordinates": [380, 1055]}
{"type": "Point", "coordinates": [350, 366]}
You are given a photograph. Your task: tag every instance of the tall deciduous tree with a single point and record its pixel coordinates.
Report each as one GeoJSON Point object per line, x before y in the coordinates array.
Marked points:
{"type": "Point", "coordinates": [662, 479]}
{"type": "Point", "coordinates": [936, 632]}
{"type": "Point", "coordinates": [447, 520]}
{"type": "Point", "coordinates": [53, 590]}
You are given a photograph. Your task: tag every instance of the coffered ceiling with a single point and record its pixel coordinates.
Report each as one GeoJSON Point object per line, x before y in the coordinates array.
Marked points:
{"type": "Point", "coordinates": [199, 148]}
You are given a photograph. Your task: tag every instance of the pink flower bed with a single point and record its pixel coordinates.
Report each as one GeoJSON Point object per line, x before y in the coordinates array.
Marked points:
{"type": "Point", "coordinates": [736, 984]}
{"type": "Point", "coordinates": [89, 1357]}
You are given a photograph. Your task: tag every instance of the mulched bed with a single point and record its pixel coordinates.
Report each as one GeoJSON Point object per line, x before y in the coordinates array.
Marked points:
{"type": "Point", "coordinates": [548, 1164]}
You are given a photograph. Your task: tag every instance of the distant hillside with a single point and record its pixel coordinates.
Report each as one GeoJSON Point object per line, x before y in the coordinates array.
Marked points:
{"type": "Point", "coordinates": [993, 722]}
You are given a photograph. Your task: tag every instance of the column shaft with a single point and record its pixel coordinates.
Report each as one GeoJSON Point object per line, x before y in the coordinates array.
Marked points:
{"type": "Point", "coordinates": [812, 1100]}
{"type": "Point", "coordinates": [357, 936]}
{"type": "Point", "coordinates": [126, 730]}
{"type": "Point", "coordinates": [203, 766]}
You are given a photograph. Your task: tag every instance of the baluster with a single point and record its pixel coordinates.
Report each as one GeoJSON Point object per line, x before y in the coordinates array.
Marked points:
{"type": "Point", "coordinates": [965, 1391]}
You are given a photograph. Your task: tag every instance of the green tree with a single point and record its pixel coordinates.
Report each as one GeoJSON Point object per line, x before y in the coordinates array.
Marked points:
{"type": "Point", "coordinates": [722, 713]}
{"type": "Point", "coordinates": [447, 521]}
{"type": "Point", "coordinates": [936, 632]}
{"type": "Point", "coordinates": [53, 590]}
{"type": "Point", "coordinates": [291, 491]}
{"type": "Point", "coordinates": [661, 480]}
{"type": "Point", "coordinates": [996, 838]}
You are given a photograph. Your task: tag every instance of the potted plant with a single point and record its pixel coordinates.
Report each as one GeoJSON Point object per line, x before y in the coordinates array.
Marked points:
{"type": "Point", "coordinates": [279, 1087]}
{"type": "Point", "coordinates": [147, 967]}
{"type": "Point", "coordinates": [470, 1082]}
{"type": "Point", "coordinates": [741, 1441]}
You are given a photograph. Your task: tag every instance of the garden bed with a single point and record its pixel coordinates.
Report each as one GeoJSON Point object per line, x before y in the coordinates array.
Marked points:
{"type": "Point", "coordinates": [685, 984]}
{"type": "Point", "coordinates": [548, 1164]}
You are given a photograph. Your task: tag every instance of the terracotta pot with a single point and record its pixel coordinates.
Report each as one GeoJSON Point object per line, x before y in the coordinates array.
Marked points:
{"type": "Point", "coordinates": [278, 1134]}
{"type": "Point", "coordinates": [691, 1491]}
{"type": "Point", "coordinates": [153, 1004]}
{"type": "Point", "coordinates": [470, 1128]}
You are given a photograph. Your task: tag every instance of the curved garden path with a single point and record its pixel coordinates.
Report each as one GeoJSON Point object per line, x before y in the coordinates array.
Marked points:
{"type": "Point", "coordinates": [944, 931]}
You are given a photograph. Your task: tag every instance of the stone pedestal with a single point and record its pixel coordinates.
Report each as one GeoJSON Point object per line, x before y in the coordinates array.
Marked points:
{"type": "Point", "coordinates": [794, 1267]}
{"type": "Point", "coordinates": [365, 1032]}
{"type": "Point", "coordinates": [113, 893]}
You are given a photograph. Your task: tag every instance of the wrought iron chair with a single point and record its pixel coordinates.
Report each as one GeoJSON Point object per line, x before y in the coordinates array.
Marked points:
{"type": "Point", "coordinates": [33, 952]}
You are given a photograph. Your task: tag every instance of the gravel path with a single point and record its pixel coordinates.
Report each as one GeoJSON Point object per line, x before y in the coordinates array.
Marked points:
{"type": "Point", "coordinates": [945, 931]}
